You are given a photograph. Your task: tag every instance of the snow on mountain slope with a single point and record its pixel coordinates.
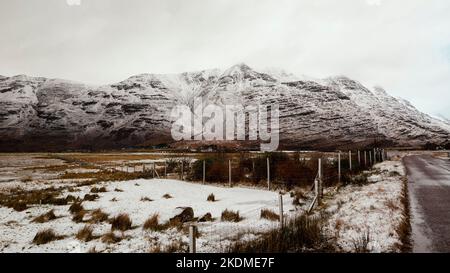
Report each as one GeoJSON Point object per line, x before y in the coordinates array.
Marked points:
{"type": "Point", "coordinates": [38, 113]}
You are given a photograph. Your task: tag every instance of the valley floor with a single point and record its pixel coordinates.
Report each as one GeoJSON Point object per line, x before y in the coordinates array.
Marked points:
{"type": "Point", "coordinates": [362, 217]}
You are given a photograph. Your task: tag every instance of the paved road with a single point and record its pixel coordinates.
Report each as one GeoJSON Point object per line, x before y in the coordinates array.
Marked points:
{"type": "Point", "coordinates": [429, 189]}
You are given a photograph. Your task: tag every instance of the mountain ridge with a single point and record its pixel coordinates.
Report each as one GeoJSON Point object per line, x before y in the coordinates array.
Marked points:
{"type": "Point", "coordinates": [38, 113]}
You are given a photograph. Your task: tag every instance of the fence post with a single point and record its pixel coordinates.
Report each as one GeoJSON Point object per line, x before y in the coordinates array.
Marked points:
{"type": "Point", "coordinates": [153, 169]}
{"type": "Point", "coordinates": [134, 168]}
{"type": "Point", "coordinates": [229, 172]}
{"type": "Point", "coordinates": [268, 174]}
{"type": "Point", "coordinates": [350, 159]}
{"type": "Point", "coordinates": [359, 158]}
{"type": "Point", "coordinates": [181, 171]}
{"type": "Point", "coordinates": [192, 235]}
{"type": "Point", "coordinates": [320, 179]}
{"type": "Point", "coordinates": [374, 155]}
{"type": "Point", "coordinates": [143, 168]}
{"type": "Point", "coordinates": [370, 157]}
{"type": "Point", "coordinates": [204, 171]}
{"type": "Point", "coordinates": [165, 168]}
{"type": "Point", "coordinates": [365, 158]}
{"type": "Point", "coordinates": [339, 167]}
{"type": "Point", "coordinates": [280, 200]}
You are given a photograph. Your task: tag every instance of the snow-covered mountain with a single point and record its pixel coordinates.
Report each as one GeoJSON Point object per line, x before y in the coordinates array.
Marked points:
{"type": "Point", "coordinates": [50, 114]}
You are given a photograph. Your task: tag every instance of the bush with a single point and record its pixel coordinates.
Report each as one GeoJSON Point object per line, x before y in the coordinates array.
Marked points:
{"type": "Point", "coordinates": [121, 222]}
{"type": "Point", "coordinates": [230, 216]}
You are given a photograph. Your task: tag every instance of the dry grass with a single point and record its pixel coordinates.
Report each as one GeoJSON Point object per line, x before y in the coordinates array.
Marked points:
{"type": "Point", "coordinates": [46, 236]}
{"type": "Point", "coordinates": [269, 215]}
{"type": "Point", "coordinates": [211, 198]}
{"type": "Point", "coordinates": [85, 234]}
{"type": "Point", "coordinates": [152, 223]}
{"type": "Point", "coordinates": [90, 197]}
{"type": "Point", "coordinates": [105, 175]}
{"type": "Point", "coordinates": [19, 199]}
{"type": "Point", "coordinates": [97, 190]}
{"type": "Point", "coordinates": [78, 217]}
{"type": "Point", "coordinates": [361, 244]}
{"type": "Point", "coordinates": [46, 217]}
{"type": "Point", "coordinates": [146, 199]}
{"type": "Point", "coordinates": [98, 216]}
{"type": "Point", "coordinates": [206, 218]}
{"type": "Point", "coordinates": [76, 207]}
{"type": "Point", "coordinates": [26, 179]}
{"type": "Point", "coordinates": [121, 222]}
{"type": "Point", "coordinates": [301, 234]}
{"type": "Point", "coordinates": [230, 216]}
{"type": "Point", "coordinates": [390, 204]}
{"type": "Point", "coordinates": [176, 246]}
{"type": "Point", "coordinates": [167, 196]}
{"type": "Point", "coordinates": [118, 190]}
{"type": "Point", "coordinates": [404, 228]}
{"type": "Point", "coordinates": [110, 238]}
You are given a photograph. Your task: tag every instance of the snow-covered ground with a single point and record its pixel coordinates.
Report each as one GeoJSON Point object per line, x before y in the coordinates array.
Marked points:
{"type": "Point", "coordinates": [374, 209]}
{"type": "Point", "coordinates": [17, 230]}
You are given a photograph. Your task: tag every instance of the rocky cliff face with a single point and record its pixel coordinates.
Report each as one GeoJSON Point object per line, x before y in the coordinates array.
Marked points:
{"type": "Point", "coordinates": [50, 114]}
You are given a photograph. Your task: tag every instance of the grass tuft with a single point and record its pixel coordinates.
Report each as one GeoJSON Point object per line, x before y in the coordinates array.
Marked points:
{"type": "Point", "coordinates": [230, 216]}
{"type": "Point", "coordinates": [85, 234]}
{"type": "Point", "coordinates": [269, 215]}
{"type": "Point", "coordinates": [46, 217]}
{"type": "Point", "coordinates": [46, 236]}
{"type": "Point", "coordinates": [121, 222]}
{"type": "Point", "coordinates": [211, 198]}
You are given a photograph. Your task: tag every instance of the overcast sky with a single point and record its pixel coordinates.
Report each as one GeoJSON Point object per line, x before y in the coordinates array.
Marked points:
{"type": "Point", "coordinates": [403, 46]}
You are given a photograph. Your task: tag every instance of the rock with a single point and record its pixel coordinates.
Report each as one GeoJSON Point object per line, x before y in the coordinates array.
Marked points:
{"type": "Point", "coordinates": [183, 215]}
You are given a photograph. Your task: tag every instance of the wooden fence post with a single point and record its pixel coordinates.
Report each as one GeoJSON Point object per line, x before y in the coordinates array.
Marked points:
{"type": "Point", "coordinates": [204, 172]}
{"type": "Point", "coordinates": [370, 157]}
{"type": "Point", "coordinates": [268, 174]}
{"type": "Point", "coordinates": [359, 158]}
{"type": "Point", "coordinates": [280, 201]}
{"type": "Point", "coordinates": [143, 168]}
{"type": "Point", "coordinates": [192, 239]}
{"type": "Point", "coordinates": [153, 169]}
{"type": "Point", "coordinates": [339, 167]}
{"type": "Point", "coordinates": [374, 155]}
{"type": "Point", "coordinates": [320, 179]}
{"type": "Point", "coordinates": [350, 159]}
{"type": "Point", "coordinates": [365, 158]}
{"type": "Point", "coordinates": [229, 172]}
{"type": "Point", "coordinates": [165, 168]}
